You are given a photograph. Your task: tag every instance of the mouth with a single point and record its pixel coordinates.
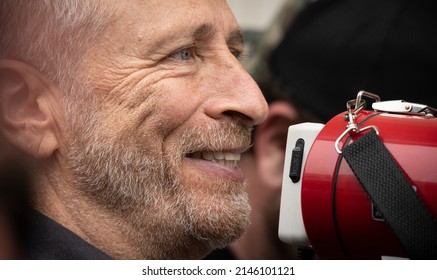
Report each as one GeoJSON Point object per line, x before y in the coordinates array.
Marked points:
{"type": "Point", "coordinates": [227, 159]}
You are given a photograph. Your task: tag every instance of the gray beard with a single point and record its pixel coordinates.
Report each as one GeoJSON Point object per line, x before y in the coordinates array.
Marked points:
{"type": "Point", "coordinates": [148, 191]}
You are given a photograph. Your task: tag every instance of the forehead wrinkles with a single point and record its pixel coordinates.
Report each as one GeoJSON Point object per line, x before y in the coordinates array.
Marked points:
{"type": "Point", "coordinates": [153, 18]}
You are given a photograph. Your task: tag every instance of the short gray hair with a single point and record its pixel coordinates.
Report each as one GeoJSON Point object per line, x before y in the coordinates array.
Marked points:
{"type": "Point", "coordinates": [51, 35]}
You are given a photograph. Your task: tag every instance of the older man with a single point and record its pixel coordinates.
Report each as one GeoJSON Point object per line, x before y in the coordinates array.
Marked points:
{"type": "Point", "coordinates": [132, 116]}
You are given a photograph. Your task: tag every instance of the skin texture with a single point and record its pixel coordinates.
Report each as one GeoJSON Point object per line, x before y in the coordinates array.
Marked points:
{"type": "Point", "coordinates": [117, 161]}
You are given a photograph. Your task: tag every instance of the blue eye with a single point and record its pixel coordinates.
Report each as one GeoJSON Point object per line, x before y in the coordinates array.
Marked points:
{"type": "Point", "coordinates": [184, 54]}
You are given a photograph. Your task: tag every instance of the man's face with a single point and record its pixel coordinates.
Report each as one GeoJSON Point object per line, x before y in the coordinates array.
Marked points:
{"type": "Point", "coordinates": [157, 137]}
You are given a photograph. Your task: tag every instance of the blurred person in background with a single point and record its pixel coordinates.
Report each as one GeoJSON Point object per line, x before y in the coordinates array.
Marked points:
{"type": "Point", "coordinates": [336, 48]}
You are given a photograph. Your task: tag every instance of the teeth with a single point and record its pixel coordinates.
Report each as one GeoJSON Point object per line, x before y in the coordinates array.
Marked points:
{"type": "Point", "coordinates": [219, 155]}
{"type": "Point", "coordinates": [197, 155]}
{"type": "Point", "coordinates": [225, 158]}
{"type": "Point", "coordinates": [232, 156]}
{"type": "Point", "coordinates": [208, 155]}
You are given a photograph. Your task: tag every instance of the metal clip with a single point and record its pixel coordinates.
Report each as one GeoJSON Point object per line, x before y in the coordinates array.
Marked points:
{"type": "Point", "coordinates": [368, 94]}
{"type": "Point", "coordinates": [352, 130]}
{"type": "Point", "coordinates": [353, 108]}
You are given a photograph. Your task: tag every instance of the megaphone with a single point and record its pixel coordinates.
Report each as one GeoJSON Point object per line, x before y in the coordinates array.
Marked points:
{"type": "Point", "coordinates": [324, 202]}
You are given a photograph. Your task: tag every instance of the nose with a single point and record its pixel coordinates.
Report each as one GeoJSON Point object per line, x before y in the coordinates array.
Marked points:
{"type": "Point", "coordinates": [237, 95]}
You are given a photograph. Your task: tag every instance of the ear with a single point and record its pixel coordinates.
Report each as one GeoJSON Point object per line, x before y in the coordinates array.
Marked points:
{"type": "Point", "coordinates": [26, 109]}
{"type": "Point", "coordinates": [269, 143]}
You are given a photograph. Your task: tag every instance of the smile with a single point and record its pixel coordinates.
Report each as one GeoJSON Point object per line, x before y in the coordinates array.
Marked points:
{"type": "Point", "coordinates": [227, 159]}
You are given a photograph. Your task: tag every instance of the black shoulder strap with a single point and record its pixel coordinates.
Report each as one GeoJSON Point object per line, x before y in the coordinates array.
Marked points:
{"type": "Point", "coordinates": [392, 193]}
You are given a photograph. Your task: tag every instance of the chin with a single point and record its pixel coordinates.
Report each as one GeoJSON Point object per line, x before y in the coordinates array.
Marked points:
{"type": "Point", "coordinates": [218, 213]}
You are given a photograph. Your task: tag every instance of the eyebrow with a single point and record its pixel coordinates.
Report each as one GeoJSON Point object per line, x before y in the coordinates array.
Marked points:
{"type": "Point", "coordinates": [236, 37]}
{"type": "Point", "coordinates": [207, 31]}
{"type": "Point", "coordinates": [203, 32]}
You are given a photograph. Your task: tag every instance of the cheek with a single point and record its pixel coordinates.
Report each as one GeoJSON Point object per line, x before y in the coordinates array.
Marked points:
{"type": "Point", "coordinates": [179, 102]}
{"type": "Point", "coordinates": [154, 123]}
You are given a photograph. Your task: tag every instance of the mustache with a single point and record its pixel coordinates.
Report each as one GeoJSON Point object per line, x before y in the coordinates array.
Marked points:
{"type": "Point", "coordinates": [215, 137]}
